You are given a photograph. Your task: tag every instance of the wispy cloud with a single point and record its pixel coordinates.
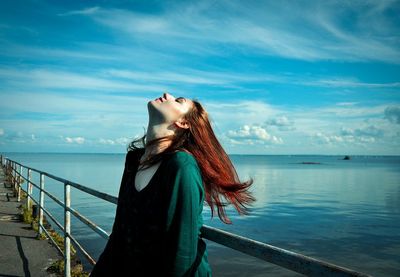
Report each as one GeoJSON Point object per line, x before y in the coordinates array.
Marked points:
{"type": "Point", "coordinates": [43, 78]}
{"type": "Point", "coordinates": [87, 11]}
{"type": "Point", "coordinates": [267, 27]}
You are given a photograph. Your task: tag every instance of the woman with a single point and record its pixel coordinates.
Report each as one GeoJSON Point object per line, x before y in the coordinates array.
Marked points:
{"type": "Point", "coordinates": [157, 227]}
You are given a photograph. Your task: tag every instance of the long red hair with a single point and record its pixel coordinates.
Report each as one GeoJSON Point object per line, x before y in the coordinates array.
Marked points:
{"type": "Point", "coordinates": [220, 179]}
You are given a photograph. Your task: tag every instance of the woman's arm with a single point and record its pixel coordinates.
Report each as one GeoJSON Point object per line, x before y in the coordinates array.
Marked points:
{"type": "Point", "coordinates": [104, 263]}
{"type": "Point", "coordinates": [184, 213]}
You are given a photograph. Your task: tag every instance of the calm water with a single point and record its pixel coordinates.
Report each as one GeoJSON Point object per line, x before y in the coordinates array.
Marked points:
{"type": "Point", "coordinates": [345, 212]}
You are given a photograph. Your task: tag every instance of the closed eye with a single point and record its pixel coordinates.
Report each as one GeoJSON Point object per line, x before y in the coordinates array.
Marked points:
{"type": "Point", "coordinates": [179, 99]}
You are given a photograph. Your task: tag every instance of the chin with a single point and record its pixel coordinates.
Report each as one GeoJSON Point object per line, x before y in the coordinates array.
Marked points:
{"type": "Point", "coordinates": [152, 106]}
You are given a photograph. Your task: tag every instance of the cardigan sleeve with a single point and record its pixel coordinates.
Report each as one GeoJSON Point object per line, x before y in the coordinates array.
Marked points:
{"type": "Point", "coordinates": [184, 213]}
{"type": "Point", "coordinates": [104, 264]}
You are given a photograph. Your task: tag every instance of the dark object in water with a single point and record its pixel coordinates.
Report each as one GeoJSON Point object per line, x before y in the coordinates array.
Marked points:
{"type": "Point", "coordinates": [346, 158]}
{"type": "Point", "coordinates": [310, 163]}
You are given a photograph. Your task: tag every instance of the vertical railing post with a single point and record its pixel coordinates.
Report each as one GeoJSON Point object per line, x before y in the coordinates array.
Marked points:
{"type": "Point", "coordinates": [41, 203]}
{"type": "Point", "coordinates": [12, 173]}
{"type": "Point", "coordinates": [19, 184]}
{"type": "Point", "coordinates": [15, 179]}
{"type": "Point", "coordinates": [28, 189]}
{"type": "Point", "coordinates": [67, 230]}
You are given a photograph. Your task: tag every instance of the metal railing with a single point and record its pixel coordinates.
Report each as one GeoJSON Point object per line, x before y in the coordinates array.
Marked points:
{"type": "Point", "coordinates": [290, 260]}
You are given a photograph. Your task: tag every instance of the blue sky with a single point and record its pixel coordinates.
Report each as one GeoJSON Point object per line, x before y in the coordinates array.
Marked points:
{"type": "Point", "coordinates": [276, 77]}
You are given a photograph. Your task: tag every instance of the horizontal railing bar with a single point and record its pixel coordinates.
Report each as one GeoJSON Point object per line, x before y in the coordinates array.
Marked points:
{"type": "Point", "coordinates": [89, 223]}
{"type": "Point", "coordinates": [23, 177]}
{"type": "Point", "coordinates": [53, 219]}
{"type": "Point", "coordinates": [58, 201]}
{"type": "Point", "coordinates": [82, 218]}
{"type": "Point", "coordinates": [83, 251]}
{"type": "Point", "coordinates": [52, 240]}
{"type": "Point", "coordinates": [284, 258]}
{"type": "Point", "coordinates": [30, 181]}
{"type": "Point", "coordinates": [50, 215]}
{"type": "Point", "coordinates": [87, 256]}
{"type": "Point", "coordinates": [102, 195]}
{"type": "Point", "coordinates": [93, 192]}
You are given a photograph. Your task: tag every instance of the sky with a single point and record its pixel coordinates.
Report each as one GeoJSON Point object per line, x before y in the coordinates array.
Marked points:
{"type": "Point", "coordinates": [276, 77]}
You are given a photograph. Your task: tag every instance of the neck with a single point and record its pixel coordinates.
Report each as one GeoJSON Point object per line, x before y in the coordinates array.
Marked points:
{"type": "Point", "coordinates": [155, 131]}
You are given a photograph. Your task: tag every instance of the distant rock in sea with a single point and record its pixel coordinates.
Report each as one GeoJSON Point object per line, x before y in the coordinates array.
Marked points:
{"type": "Point", "coordinates": [346, 158]}
{"type": "Point", "coordinates": [309, 163]}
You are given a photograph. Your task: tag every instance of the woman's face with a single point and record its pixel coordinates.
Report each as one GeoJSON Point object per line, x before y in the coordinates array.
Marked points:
{"type": "Point", "coordinates": [169, 109]}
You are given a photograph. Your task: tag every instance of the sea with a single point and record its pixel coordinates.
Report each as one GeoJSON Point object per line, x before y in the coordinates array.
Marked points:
{"type": "Point", "coordinates": [345, 212]}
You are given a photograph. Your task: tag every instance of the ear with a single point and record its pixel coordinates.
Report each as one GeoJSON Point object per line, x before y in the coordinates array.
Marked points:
{"type": "Point", "coordinates": [182, 124]}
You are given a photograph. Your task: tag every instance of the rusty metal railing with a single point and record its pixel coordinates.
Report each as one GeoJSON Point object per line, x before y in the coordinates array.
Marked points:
{"type": "Point", "coordinates": [290, 260]}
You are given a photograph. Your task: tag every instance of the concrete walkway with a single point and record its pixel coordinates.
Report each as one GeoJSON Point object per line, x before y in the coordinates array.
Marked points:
{"type": "Point", "coordinates": [21, 254]}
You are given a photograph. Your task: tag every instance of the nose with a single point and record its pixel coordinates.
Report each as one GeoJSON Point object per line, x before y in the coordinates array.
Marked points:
{"type": "Point", "coordinates": [166, 95]}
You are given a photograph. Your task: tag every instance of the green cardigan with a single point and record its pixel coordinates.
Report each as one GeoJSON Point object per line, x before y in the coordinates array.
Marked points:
{"type": "Point", "coordinates": [184, 219]}
{"type": "Point", "coordinates": [157, 230]}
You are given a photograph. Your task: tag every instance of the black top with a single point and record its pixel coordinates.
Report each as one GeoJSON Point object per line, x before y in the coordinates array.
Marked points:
{"type": "Point", "coordinates": [156, 231]}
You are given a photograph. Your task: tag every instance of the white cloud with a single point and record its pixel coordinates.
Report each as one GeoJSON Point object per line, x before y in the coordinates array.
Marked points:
{"type": "Point", "coordinates": [359, 135]}
{"type": "Point", "coordinates": [118, 141]}
{"type": "Point", "coordinates": [324, 138]}
{"type": "Point", "coordinates": [77, 140]}
{"type": "Point", "coordinates": [123, 140]}
{"type": "Point", "coordinates": [365, 131]}
{"type": "Point", "coordinates": [346, 103]}
{"type": "Point", "coordinates": [252, 134]}
{"type": "Point", "coordinates": [281, 122]}
{"type": "Point", "coordinates": [106, 141]}
{"type": "Point", "coordinates": [16, 136]}
{"type": "Point", "coordinates": [349, 111]}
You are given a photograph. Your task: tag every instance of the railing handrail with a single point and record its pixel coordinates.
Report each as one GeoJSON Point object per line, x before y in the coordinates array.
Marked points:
{"type": "Point", "coordinates": [102, 195]}
{"type": "Point", "coordinates": [284, 258]}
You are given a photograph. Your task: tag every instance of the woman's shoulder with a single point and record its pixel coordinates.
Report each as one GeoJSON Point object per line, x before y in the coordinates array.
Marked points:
{"type": "Point", "coordinates": [133, 154]}
{"type": "Point", "coordinates": [182, 158]}
{"type": "Point", "coordinates": [177, 159]}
